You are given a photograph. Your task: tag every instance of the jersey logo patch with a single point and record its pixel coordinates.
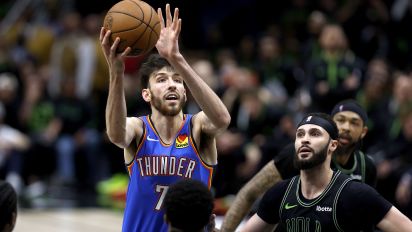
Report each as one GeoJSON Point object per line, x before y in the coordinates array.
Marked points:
{"type": "Point", "coordinates": [152, 139]}
{"type": "Point", "coordinates": [287, 206]}
{"type": "Point", "coordinates": [182, 141]}
{"type": "Point", "coordinates": [323, 209]}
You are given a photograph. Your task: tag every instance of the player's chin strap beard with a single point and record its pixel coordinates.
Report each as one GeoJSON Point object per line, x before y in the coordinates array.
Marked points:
{"type": "Point", "coordinates": [359, 144]}
{"type": "Point", "coordinates": [340, 151]}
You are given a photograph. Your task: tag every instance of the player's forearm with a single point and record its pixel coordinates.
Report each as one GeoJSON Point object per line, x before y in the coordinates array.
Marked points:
{"type": "Point", "coordinates": [260, 183]}
{"type": "Point", "coordinates": [205, 97]}
{"type": "Point", "coordinates": [240, 207]}
{"type": "Point", "coordinates": [116, 111]}
{"type": "Point", "coordinates": [238, 210]}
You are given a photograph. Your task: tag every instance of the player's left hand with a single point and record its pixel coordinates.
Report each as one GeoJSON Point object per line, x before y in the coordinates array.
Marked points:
{"type": "Point", "coordinates": [167, 45]}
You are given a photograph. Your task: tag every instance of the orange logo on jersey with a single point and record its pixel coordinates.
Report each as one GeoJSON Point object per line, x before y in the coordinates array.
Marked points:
{"type": "Point", "coordinates": [182, 141]}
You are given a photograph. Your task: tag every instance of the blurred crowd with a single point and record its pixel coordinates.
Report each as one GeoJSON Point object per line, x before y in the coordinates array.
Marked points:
{"type": "Point", "coordinates": [309, 56]}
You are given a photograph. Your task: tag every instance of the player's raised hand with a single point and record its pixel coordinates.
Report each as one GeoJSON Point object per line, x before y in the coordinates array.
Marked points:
{"type": "Point", "coordinates": [167, 44]}
{"type": "Point", "coordinates": [114, 61]}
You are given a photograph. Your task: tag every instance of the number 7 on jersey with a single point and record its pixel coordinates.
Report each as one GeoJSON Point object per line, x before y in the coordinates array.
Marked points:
{"type": "Point", "coordinates": [162, 189]}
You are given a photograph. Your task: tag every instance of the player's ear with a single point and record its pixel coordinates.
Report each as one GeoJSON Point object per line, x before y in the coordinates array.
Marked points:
{"type": "Point", "coordinates": [364, 132]}
{"type": "Point", "coordinates": [333, 144]}
{"type": "Point", "coordinates": [147, 96]}
{"type": "Point", "coordinates": [185, 95]}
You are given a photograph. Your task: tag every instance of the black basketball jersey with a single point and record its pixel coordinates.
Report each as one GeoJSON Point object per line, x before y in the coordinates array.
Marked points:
{"type": "Point", "coordinates": [316, 215]}
{"type": "Point", "coordinates": [358, 169]}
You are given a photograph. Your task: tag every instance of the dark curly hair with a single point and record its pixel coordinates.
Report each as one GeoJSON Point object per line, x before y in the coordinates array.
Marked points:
{"type": "Point", "coordinates": [8, 204]}
{"type": "Point", "coordinates": [151, 64]}
{"type": "Point", "coordinates": [188, 205]}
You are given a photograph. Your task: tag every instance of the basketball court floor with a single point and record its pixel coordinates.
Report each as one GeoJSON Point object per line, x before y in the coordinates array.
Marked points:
{"type": "Point", "coordinates": [69, 220]}
{"type": "Point", "coordinates": [73, 220]}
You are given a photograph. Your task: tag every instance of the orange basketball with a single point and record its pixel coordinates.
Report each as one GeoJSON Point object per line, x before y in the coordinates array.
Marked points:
{"type": "Point", "coordinates": [137, 25]}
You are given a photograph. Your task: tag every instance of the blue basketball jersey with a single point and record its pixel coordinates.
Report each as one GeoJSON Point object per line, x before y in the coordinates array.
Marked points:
{"type": "Point", "coordinates": [155, 167]}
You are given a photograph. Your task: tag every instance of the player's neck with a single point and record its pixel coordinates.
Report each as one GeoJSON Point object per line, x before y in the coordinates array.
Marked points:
{"type": "Point", "coordinates": [342, 156]}
{"type": "Point", "coordinates": [315, 180]}
{"type": "Point", "coordinates": [167, 126]}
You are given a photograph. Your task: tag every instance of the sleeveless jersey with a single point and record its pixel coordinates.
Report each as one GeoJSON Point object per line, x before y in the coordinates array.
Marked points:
{"type": "Point", "coordinates": [155, 167]}
{"type": "Point", "coordinates": [358, 170]}
{"type": "Point", "coordinates": [314, 215]}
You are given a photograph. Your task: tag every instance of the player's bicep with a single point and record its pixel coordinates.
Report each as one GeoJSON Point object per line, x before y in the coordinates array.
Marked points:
{"type": "Point", "coordinates": [134, 130]}
{"type": "Point", "coordinates": [394, 220]}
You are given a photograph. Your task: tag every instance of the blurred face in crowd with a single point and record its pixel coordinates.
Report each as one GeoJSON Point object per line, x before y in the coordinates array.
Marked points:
{"type": "Point", "coordinates": [316, 21]}
{"type": "Point", "coordinates": [166, 92]}
{"type": "Point", "coordinates": [312, 145]}
{"type": "Point", "coordinates": [402, 88]}
{"type": "Point", "coordinates": [269, 47]}
{"type": "Point", "coordinates": [351, 130]}
{"type": "Point", "coordinates": [377, 79]}
{"type": "Point", "coordinates": [333, 38]}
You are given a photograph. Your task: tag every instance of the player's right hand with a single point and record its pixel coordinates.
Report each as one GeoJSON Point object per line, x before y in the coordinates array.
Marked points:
{"type": "Point", "coordinates": [114, 61]}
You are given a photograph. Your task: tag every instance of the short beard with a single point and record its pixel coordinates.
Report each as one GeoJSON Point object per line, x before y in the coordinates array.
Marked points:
{"type": "Point", "coordinates": [163, 109]}
{"type": "Point", "coordinates": [317, 159]}
{"type": "Point", "coordinates": [346, 149]}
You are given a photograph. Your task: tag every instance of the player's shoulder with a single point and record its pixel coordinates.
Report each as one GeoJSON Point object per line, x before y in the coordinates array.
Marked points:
{"type": "Point", "coordinates": [135, 120]}
{"type": "Point", "coordinates": [370, 162]}
{"type": "Point", "coordinates": [361, 153]}
{"type": "Point", "coordinates": [356, 195]}
{"type": "Point", "coordinates": [353, 194]}
{"type": "Point", "coordinates": [136, 124]}
{"type": "Point", "coordinates": [279, 187]}
{"type": "Point", "coordinates": [354, 188]}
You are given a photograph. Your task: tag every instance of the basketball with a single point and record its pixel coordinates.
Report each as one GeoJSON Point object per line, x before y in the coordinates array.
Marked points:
{"type": "Point", "coordinates": [137, 25]}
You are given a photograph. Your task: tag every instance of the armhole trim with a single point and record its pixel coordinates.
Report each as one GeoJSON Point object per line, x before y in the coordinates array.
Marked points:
{"type": "Point", "coordinates": [335, 205]}
{"type": "Point", "coordinates": [195, 147]}
{"type": "Point", "coordinates": [139, 145]}
{"type": "Point", "coordinates": [363, 165]}
{"type": "Point", "coordinates": [285, 196]}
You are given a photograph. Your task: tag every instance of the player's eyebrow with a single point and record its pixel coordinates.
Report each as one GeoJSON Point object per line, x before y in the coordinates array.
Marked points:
{"type": "Point", "coordinates": [300, 130]}
{"type": "Point", "coordinates": [348, 118]}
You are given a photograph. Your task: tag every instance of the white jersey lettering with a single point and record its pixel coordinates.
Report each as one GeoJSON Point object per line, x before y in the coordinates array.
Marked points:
{"type": "Point", "coordinates": [166, 166]}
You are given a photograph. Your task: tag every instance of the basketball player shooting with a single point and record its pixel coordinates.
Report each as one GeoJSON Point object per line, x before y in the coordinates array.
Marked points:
{"type": "Point", "coordinates": [167, 145]}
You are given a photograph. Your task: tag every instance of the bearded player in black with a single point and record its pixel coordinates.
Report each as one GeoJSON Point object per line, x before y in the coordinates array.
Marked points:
{"type": "Point", "coordinates": [319, 198]}
{"type": "Point", "coordinates": [351, 120]}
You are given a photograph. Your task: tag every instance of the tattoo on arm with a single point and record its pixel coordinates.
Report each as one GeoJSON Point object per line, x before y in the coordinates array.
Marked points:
{"type": "Point", "coordinates": [246, 197]}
